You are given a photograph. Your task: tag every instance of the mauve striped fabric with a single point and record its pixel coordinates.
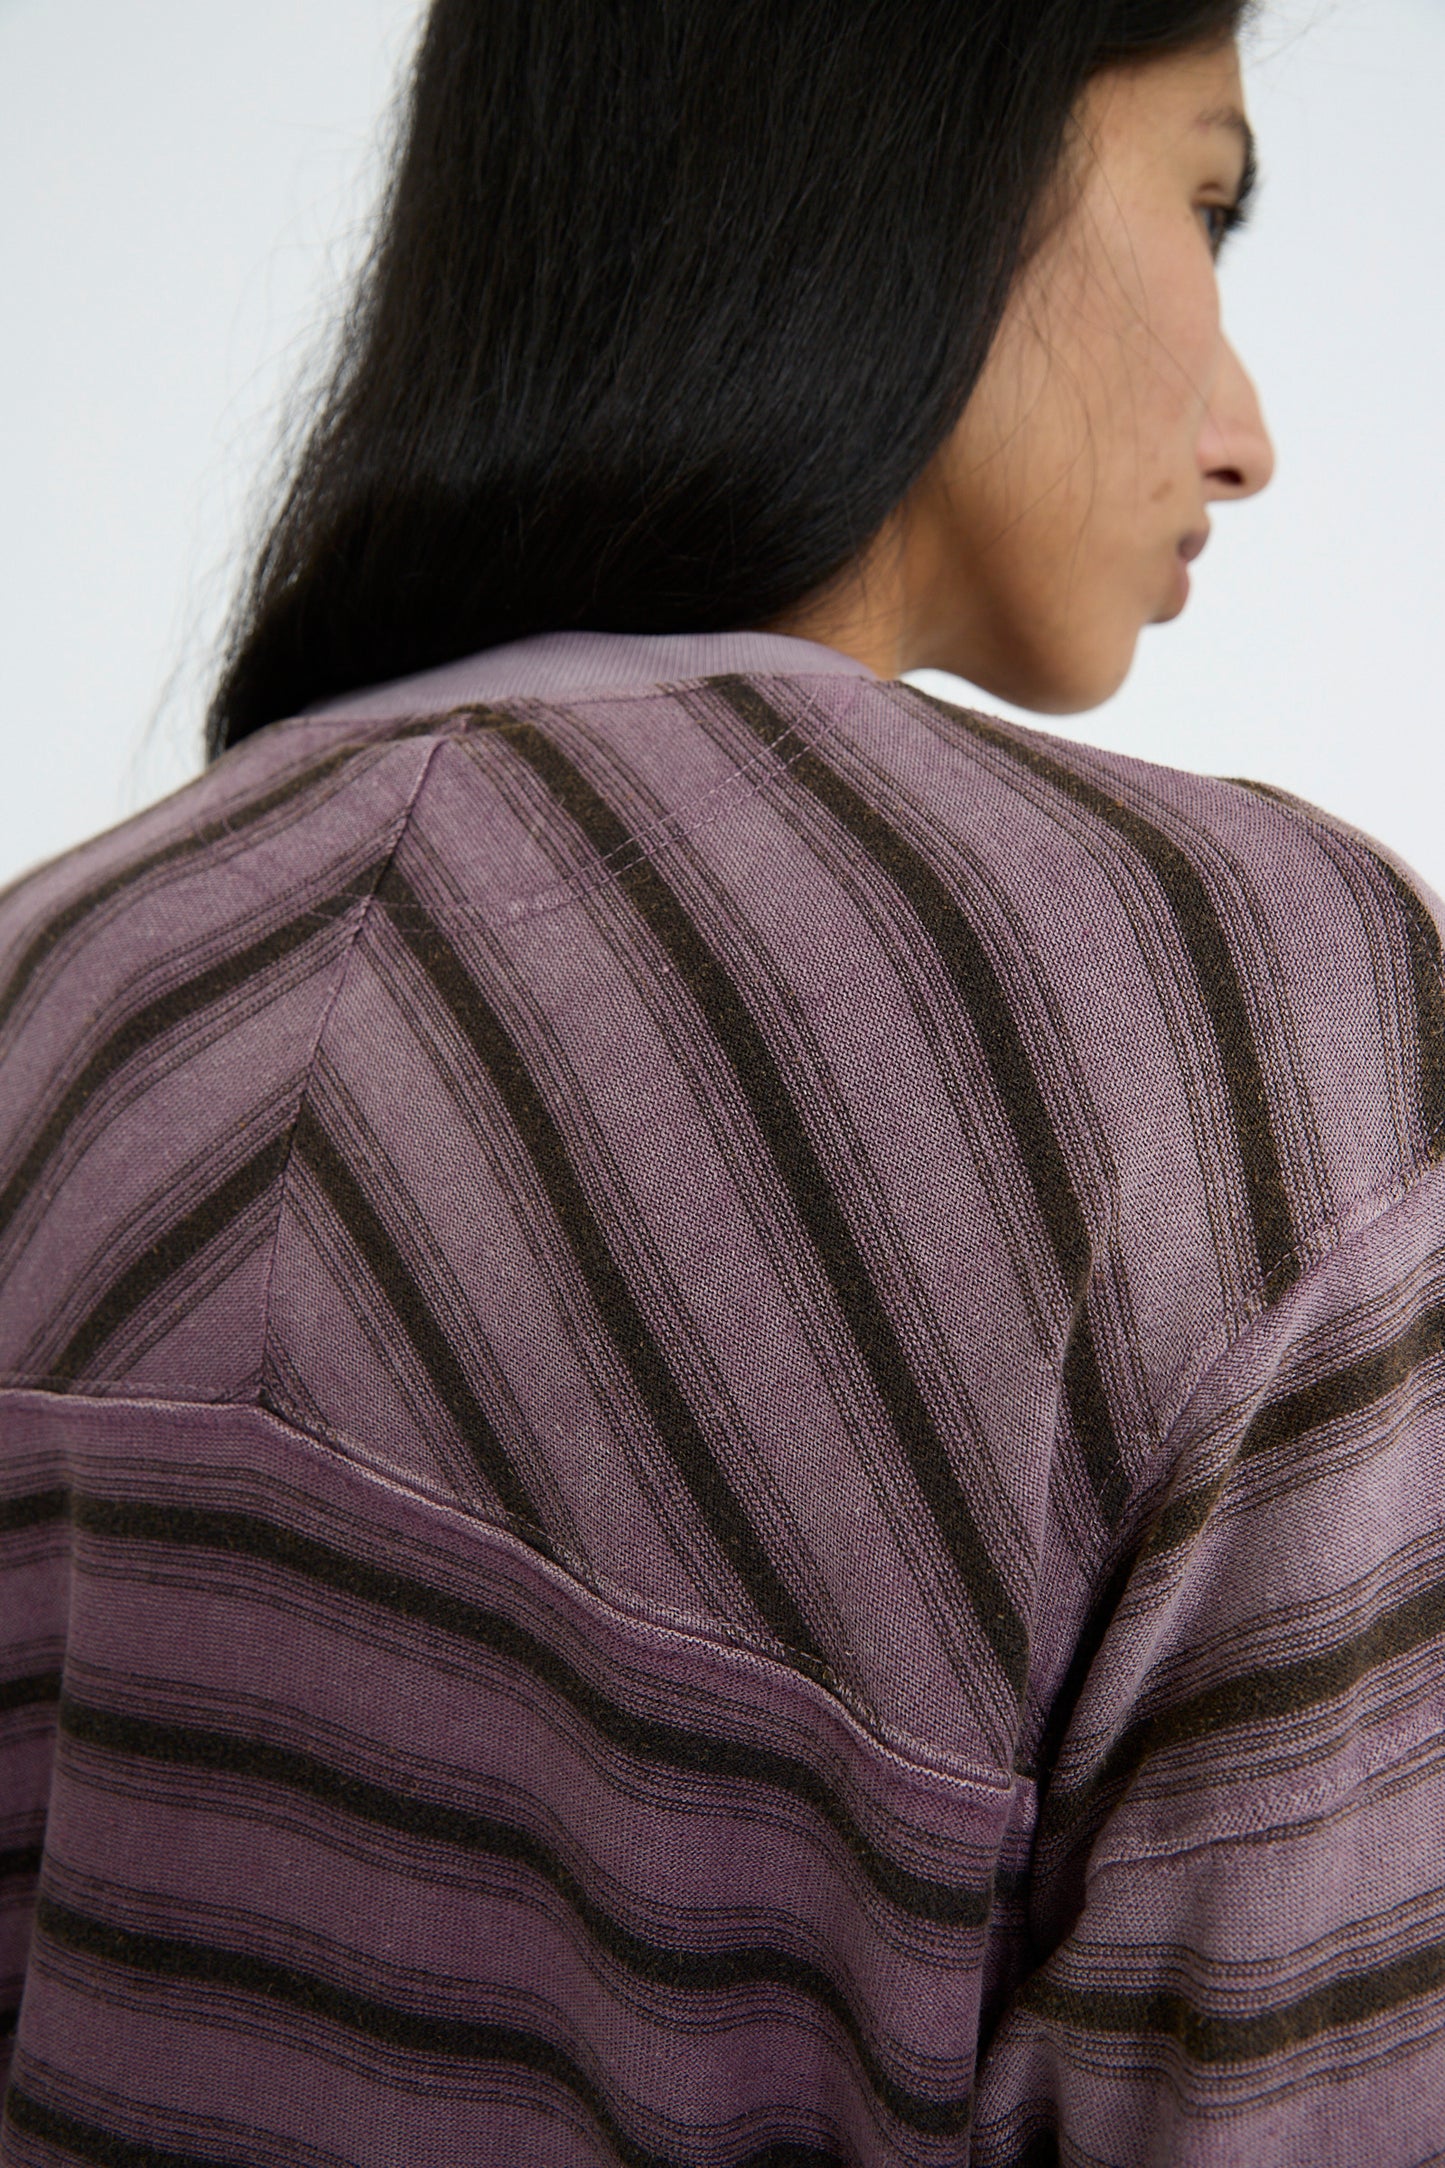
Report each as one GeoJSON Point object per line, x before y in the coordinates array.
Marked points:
{"type": "Point", "coordinates": [723, 1447]}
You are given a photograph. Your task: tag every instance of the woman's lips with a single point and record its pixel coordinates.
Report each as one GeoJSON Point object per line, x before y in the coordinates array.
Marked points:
{"type": "Point", "coordinates": [1187, 551]}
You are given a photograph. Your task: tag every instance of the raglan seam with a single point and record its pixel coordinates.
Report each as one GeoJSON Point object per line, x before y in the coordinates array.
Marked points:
{"type": "Point", "coordinates": [363, 916]}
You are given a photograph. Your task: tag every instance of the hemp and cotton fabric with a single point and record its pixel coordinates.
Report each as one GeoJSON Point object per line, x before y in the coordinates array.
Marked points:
{"type": "Point", "coordinates": [723, 1446]}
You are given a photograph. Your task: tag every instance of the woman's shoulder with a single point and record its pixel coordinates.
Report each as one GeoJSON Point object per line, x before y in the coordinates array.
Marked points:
{"type": "Point", "coordinates": [1008, 996]}
{"type": "Point", "coordinates": [1135, 952]}
{"type": "Point", "coordinates": [1210, 952]}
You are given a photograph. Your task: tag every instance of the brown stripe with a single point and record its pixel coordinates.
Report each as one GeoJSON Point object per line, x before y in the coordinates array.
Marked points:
{"type": "Point", "coordinates": [196, 840]}
{"type": "Point", "coordinates": [812, 1195]}
{"type": "Point", "coordinates": [208, 1965]}
{"type": "Point", "coordinates": [1352, 1998]}
{"type": "Point", "coordinates": [75, 2139]}
{"type": "Point", "coordinates": [697, 1755]}
{"type": "Point", "coordinates": [1220, 990]}
{"type": "Point", "coordinates": [1270, 1694]}
{"type": "Point", "coordinates": [1282, 1423]}
{"type": "Point", "coordinates": [396, 1281]}
{"type": "Point", "coordinates": [677, 1426]}
{"type": "Point", "coordinates": [167, 1256]}
{"type": "Point", "coordinates": [1424, 953]}
{"type": "Point", "coordinates": [154, 1018]}
{"type": "Point", "coordinates": [996, 1033]}
{"type": "Point", "coordinates": [713, 1970]}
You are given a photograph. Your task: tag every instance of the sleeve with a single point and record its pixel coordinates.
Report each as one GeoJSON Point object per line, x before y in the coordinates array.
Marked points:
{"type": "Point", "coordinates": [1237, 1888]}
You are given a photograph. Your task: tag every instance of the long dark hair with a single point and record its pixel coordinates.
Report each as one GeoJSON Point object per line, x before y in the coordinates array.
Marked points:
{"type": "Point", "coordinates": [669, 303]}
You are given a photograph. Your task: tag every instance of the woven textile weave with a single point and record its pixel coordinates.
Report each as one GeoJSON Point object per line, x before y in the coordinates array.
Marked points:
{"type": "Point", "coordinates": [722, 1446]}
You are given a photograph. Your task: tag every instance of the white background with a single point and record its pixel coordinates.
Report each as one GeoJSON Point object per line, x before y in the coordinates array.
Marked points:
{"type": "Point", "coordinates": [186, 183]}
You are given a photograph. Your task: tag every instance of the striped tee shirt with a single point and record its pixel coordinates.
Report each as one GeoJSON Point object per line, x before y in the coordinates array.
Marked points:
{"type": "Point", "coordinates": [723, 1446]}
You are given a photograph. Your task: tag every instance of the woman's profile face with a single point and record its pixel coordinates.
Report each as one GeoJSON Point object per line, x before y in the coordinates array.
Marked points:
{"type": "Point", "coordinates": [1111, 413]}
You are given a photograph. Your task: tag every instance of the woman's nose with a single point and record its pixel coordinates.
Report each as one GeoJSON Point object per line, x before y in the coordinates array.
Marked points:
{"type": "Point", "coordinates": [1235, 452]}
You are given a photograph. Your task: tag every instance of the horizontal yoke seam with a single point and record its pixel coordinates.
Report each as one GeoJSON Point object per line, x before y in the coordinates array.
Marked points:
{"type": "Point", "coordinates": [998, 1786]}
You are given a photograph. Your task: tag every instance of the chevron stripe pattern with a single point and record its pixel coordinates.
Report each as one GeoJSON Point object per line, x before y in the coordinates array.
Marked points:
{"type": "Point", "coordinates": [722, 1438]}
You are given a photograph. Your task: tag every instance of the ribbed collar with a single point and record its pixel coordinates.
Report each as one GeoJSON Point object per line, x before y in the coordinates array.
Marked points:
{"type": "Point", "coordinates": [570, 662]}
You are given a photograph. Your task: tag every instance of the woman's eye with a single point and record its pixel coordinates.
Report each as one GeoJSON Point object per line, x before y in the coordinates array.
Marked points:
{"type": "Point", "coordinates": [1231, 217]}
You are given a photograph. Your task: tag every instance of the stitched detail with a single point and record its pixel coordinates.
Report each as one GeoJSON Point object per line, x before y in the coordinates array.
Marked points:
{"type": "Point", "coordinates": [1417, 1736]}
{"type": "Point", "coordinates": [743, 782]}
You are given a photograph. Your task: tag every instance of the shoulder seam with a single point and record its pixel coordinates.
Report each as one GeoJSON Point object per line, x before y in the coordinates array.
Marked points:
{"type": "Point", "coordinates": [1395, 1194]}
{"type": "Point", "coordinates": [736, 788]}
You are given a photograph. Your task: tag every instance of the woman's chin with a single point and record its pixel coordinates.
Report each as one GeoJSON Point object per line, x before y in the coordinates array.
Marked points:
{"type": "Point", "coordinates": [1070, 688]}
{"type": "Point", "coordinates": [1064, 675]}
